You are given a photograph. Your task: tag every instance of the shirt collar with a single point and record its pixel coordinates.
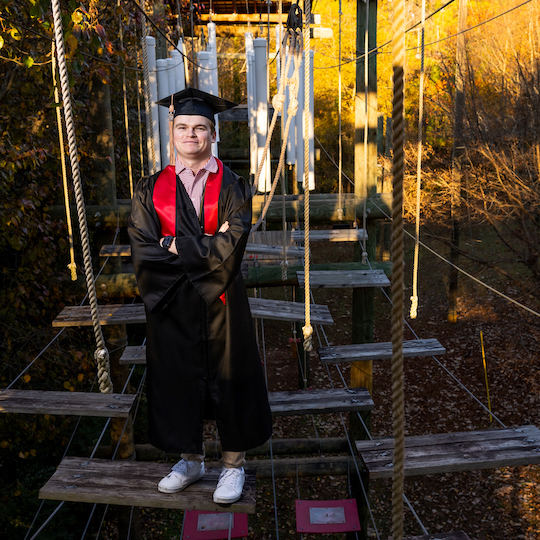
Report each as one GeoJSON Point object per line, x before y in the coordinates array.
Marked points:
{"type": "Point", "coordinates": [211, 166]}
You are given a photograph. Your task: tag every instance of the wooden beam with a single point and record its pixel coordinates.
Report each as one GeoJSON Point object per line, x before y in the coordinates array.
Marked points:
{"type": "Point", "coordinates": [323, 208]}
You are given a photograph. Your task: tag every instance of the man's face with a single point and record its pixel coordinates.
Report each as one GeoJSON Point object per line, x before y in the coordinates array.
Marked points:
{"type": "Point", "coordinates": [193, 137]}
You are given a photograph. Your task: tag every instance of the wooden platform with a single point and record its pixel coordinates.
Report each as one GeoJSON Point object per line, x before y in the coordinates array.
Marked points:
{"type": "Point", "coordinates": [68, 403]}
{"type": "Point", "coordinates": [352, 279]}
{"type": "Point", "coordinates": [133, 483]}
{"type": "Point", "coordinates": [252, 249]}
{"type": "Point", "coordinates": [451, 452]}
{"type": "Point", "coordinates": [330, 235]}
{"type": "Point", "coordinates": [379, 351]}
{"type": "Point", "coordinates": [134, 313]}
{"type": "Point", "coordinates": [458, 535]}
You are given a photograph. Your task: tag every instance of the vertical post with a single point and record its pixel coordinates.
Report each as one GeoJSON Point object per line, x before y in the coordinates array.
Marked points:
{"type": "Point", "coordinates": [252, 112]}
{"type": "Point", "coordinates": [151, 46]}
{"type": "Point", "coordinates": [365, 185]}
{"type": "Point", "coordinates": [163, 112]}
{"type": "Point", "coordinates": [457, 156]}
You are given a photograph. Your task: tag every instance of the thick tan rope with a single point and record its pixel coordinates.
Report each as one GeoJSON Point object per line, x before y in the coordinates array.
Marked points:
{"type": "Point", "coordinates": [284, 262]}
{"type": "Point", "coordinates": [101, 355]}
{"type": "Point", "coordinates": [72, 265]}
{"type": "Point", "coordinates": [124, 90]}
{"type": "Point", "coordinates": [148, 99]}
{"type": "Point", "coordinates": [366, 134]}
{"type": "Point", "coordinates": [307, 329]}
{"type": "Point", "coordinates": [295, 46]}
{"type": "Point", "coordinates": [398, 53]}
{"type": "Point", "coordinates": [414, 297]}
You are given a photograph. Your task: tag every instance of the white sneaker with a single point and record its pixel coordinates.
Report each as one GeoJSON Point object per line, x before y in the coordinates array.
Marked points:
{"type": "Point", "coordinates": [182, 474]}
{"type": "Point", "coordinates": [230, 485]}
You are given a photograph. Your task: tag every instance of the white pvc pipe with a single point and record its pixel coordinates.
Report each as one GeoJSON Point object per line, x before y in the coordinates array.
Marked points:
{"type": "Point", "coordinates": [251, 94]}
{"type": "Point", "coordinates": [163, 92]}
{"type": "Point", "coordinates": [261, 83]}
{"type": "Point", "coordinates": [151, 48]}
{"type": "Point", "coordinates": [180, 76]}
{"type": "Point", "coordinates": [299, 127]}
{"type": "Point", "coordinates": [311, 125]}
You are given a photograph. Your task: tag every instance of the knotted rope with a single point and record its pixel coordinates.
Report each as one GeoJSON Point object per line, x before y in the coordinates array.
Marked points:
{"type": "Point", "coordinates": [101, 354]}
{"type": "Point", "coordinates": [307, 329]}
{"type": "Point", "coordinates": [398, 51]}
{"type": "Point", "coordinates": [414, 297]}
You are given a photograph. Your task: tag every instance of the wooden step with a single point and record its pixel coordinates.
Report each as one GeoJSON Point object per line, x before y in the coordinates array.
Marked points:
{"type": "Point", "coordinates": [451, 452]}
{"type": "Point", "coordinates": [134, 483]}
{"type": "Point", "coordinates": [379, 351]}
{"type": "Point", "coordinates": [320, 401]}
{"type": "Point", "coordinates": [458, 535]}
{"type": "Point", "coordinates": [134, 313]}
{"type": "Point", "coordinates": [69, 403]}
{"type": "Point", "coordinates": [252, 250]}
{"type": "Point", "coordinates": [330, 235]}
{"type": "Point", "coordinates": [352, 279]}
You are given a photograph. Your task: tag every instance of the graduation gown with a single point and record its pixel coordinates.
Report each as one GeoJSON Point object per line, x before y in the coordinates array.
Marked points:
{"type": "Point", "coordinates": [202, 355]}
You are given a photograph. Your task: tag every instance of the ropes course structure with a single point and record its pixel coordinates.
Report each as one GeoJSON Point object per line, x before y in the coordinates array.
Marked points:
{"type": "Point", "coordinates": [298, 43]}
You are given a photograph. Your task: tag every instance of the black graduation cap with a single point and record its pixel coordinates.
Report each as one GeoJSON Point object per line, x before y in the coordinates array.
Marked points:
{"type": "Point", "coordinates": [192, 101]}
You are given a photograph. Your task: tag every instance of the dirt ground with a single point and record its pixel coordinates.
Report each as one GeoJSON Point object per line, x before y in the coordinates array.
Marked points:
{"type": "Point", "coordinates": [487, 504]}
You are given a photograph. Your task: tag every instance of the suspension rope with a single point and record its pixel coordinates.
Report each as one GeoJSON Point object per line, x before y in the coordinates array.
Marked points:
{"type": "Point", "coordinates": [101, 354]}
{"type": "Point", "coordinates": [307, 329]}
{"type": "Point", "coordinates": [398, 47]}
{"type": "Point", "coordinates": [366, 134]}
{"type": "Point", "coordinates": [148, 100]}
{"type": "Point", "coordinates": [124, 89]}
{"type": "Point", "coordinates": [414, 297]}
{"type": "Point", "coordinates": [72, 265]}
{"type": "Point", "coordinates": [340, 143]}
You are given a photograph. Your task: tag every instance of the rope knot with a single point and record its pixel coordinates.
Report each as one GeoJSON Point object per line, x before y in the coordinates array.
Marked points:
{"type": "Point", "coordinates": [277, 101]}
{"type": "Point", "coordinates": [364, 257]}
{"type": "Point", "coordinates": [308, 332]}
{"type": "Point", "coordinates": [73, 267]}
{"type": "Point", "coordinates": [414, 307]}
{"type": "Point", "coordinates": [293, 106]}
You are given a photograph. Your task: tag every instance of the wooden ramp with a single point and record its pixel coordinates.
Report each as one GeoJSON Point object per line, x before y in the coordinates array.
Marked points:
{"type": "Point", "coordinates": [134, 313]}
{"type": "Point", "coordinates": [343, 279]}
{"type": "Point", "coordinates": [132, 483]}
{"type": "Point", "coordinates": [452, 452]}
{"type": "Point", "coordinates": [68, 403]}
{"type": "Point", "coordinates": [458, 535]}
{"type": "Point", "coordinates": [330, 235]}
{"type": "Point", "coordinates": [379, 351]}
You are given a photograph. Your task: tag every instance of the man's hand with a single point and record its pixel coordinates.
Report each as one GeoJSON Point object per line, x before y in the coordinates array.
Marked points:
{"type": "Point", "coordinates": [172, 247]}
{"type": "Point", "coordinates": [222, 229]}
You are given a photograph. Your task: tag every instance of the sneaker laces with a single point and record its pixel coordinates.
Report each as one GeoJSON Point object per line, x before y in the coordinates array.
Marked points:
{"type": "Point", "coordinates": [229, 477]}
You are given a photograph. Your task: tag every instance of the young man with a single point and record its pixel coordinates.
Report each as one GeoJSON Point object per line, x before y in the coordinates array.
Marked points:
{"type": "Point", "coordinates": [188, 228]}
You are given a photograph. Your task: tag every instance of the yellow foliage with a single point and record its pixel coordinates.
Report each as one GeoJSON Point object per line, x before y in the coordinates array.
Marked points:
{"type": "Point", "coordinates": [67, 385]}
{"type": "Point", "coordinates": [80, 377]}
{"type": "Point", "coordinates": [26, 378]}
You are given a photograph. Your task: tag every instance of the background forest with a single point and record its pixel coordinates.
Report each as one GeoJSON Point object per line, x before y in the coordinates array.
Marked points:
{"type": "Point", "coordinates": [498, 182]}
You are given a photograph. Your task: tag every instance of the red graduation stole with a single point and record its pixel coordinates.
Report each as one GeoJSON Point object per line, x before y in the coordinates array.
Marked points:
{"type": "Point", "coordinates": [164, 198]}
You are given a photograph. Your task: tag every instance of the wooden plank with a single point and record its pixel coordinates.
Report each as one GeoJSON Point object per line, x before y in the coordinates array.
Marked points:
{"type": "Point", "coordinates": [124, 250]}
{"type": "Point", "coordinates": [132, 483]}
{"type": "Point", "coordinates": [330, 235]}
{"type": "Point", "coordinates": [458, 535]}
{"type": "Point", "coordinates": [135, 314]}
{"type": "Point", "coordinates": [133, 354]}
{"type": "Point", "coordinates": [379, 351]}
{"type": "Point", "coordinates": [352, 279]}
{"type": "Point", "coordinates": [320, 401]}
{"type": "Point", "coordinates": [451, 452]}
{"type": "Point", "coordinates": [68, 403]}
